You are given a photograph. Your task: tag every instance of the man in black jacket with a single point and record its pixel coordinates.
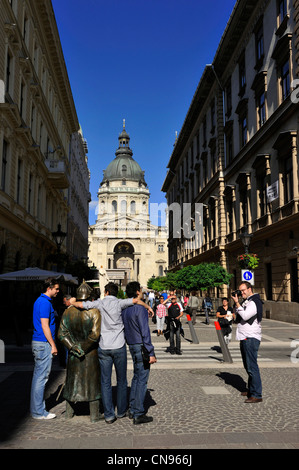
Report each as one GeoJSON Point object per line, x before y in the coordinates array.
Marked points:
{"type": "Point", "coordinates": [175, 312]}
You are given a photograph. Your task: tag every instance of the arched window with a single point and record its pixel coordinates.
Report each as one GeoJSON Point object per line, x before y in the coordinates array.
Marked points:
{"type": "Point", "coordinates": [133, 207]}
{"type": "Point", "coordinates": [123, 207]}
{"type": "Point", "coordinates": [114, 207]}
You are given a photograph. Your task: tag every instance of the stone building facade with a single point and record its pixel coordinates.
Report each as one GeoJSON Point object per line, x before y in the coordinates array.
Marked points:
{"type": "Point", "coordinates": [123, 238]}
{"type": "Point", "coordinates": [41, 145]}
{"type": "Point", "coordinates": [237, 154]}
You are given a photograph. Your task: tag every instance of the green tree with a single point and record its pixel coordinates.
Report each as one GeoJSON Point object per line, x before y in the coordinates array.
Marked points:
{"type": "Point", "coordinates": [201, 276]}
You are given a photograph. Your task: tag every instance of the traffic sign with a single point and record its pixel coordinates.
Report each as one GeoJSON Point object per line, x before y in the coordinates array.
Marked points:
{"type": "Point", "coordinates": [247, 276]}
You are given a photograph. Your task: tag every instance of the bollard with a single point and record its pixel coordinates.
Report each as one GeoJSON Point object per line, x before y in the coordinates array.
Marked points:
{"type": "Point", "coordinates": [192, 330]}
{"type": "Point", "coordinates": [224, 348]}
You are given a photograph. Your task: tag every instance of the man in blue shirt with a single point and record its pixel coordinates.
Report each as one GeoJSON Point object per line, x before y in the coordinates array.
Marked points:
{"type": "Point", "coordinates": [43, 348]}
{"type": "Point", "coordinates": [138, 337]}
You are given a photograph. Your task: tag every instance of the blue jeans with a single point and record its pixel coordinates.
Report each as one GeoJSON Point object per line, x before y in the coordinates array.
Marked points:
{"type": "Point", "coordinates": [42, 368]}
{"type": "Point", "coordinates": [249, 350]}
{"type": "Point", "coordinates": [139, 382]}
{"type": "Point", "coordinates": [107, 358]}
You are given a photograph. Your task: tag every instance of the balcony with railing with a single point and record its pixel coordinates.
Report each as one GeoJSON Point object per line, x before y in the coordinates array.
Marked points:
{"type": "Point", "coordinates": [58, 173]}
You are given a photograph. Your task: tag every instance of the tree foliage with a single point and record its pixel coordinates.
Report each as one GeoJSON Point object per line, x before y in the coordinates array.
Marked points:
{"type": "Point", "coordinates": [199, 277]}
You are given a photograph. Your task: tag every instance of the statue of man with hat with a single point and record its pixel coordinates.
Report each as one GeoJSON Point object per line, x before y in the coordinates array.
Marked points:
{"type": "Point", "coordinates": [79, 331]}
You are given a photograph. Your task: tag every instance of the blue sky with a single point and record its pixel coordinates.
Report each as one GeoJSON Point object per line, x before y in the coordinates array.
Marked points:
{"type": "Point", "coordinates": [138, 60]}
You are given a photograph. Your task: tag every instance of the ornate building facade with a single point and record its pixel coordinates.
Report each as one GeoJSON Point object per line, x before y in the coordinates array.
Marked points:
{"type": "Point", "coordinates": [42, 150]}
{"type": "Point", "coordinates": [237, 154]}
{"type": "Point", "coordinates": [123, 238]}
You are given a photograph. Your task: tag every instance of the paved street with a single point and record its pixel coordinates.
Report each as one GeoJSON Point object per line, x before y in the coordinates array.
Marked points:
{"type": "Point", "coordinates": [194, 399]}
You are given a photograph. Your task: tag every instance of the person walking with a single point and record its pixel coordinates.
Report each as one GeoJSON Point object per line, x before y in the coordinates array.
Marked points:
{"type": "Point", "coordinates": [112, 348]}
{"type": "Point", "coordinates": [151, 298]}
{"type": "Point", "coordinates": [138, 338]}
{"type": "Point", "coordinates": [225, 317]}
{"type": "Point", "coordinates": [43, 347]}
{"type": "Point", "coordinates": [193, 303]}
{"type": "Point", "coordinates": [207, 305]}
{"type": "Point", "coordinates": [161, 313]}
{"type": "Point", "coordinates": [249, 333]}
{"type": "Point", "coordinates": [175, 312]}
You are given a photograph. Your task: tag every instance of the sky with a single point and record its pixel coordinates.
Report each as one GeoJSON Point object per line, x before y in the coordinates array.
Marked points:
{"type": "Point", "coordinates": [138, 60]}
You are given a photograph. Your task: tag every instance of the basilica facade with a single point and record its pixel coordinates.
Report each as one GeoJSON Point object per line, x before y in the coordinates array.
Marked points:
{"type": "Point", "coordinates": [123, 240]}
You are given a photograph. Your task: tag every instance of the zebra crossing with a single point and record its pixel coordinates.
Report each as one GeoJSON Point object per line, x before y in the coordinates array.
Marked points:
{"type": "Point", "coordinates": [195, 356]}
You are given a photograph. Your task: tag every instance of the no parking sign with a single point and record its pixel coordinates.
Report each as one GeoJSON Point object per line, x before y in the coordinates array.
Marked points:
{"type": "Point", "coordinates": [247, 276]}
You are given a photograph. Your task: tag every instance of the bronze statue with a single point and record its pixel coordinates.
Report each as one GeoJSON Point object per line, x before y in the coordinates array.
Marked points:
{"type": "Point", "coordinates": [79, 331]}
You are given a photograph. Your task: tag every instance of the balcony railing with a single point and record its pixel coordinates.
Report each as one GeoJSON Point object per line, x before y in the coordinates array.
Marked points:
{"type": "Point", "coordinates": [57, 173]}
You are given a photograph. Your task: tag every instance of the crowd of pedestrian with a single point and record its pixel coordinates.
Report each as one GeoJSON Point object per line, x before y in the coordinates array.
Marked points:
{"type": "Point", "coordinates": [95, 334]}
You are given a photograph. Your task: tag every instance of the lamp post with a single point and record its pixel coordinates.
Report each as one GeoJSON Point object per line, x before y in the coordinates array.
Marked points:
{"type": "Point", "coordinates": [59, 237]}
{"type": "Point", "coordinates": [246, 238]}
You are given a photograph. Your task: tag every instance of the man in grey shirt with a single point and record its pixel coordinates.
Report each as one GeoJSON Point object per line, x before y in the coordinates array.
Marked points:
{"type": "Point", "coordinates": [112, 347]}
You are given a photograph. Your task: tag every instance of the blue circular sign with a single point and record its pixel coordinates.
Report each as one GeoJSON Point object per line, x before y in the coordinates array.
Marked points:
{"type": "Point", "coordinates": [247, 276]}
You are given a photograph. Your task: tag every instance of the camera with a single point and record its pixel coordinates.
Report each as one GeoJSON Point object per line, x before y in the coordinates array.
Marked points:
{"type": "Point", "coordinates": [236, 292]}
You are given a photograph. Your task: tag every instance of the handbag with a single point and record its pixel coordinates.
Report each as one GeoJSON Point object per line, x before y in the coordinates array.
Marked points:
{"type": "Point", "coordinates": [223, 322]}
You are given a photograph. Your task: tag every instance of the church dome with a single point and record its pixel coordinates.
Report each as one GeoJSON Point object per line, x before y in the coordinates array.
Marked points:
{"type": "Point", "coordinates": [124, 167]}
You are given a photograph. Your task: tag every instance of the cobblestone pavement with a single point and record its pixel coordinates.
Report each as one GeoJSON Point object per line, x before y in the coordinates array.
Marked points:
{"type": "Point", "coordinates": [193, 408]}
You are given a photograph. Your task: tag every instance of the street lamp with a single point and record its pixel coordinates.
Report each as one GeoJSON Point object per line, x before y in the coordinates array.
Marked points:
{"type": "Point", "coordinates": [246, 238]}
{"type": "Point", "coordinates": [59, 236]}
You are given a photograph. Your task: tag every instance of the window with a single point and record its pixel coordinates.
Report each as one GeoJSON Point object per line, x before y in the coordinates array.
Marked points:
{"type": "Point", "coordinates": [259, 45]}
{"type": "Point", "coordinates": [123, 207]}
{"type": "Point", "coordinates": [204, 131]}
{"type": "Point", "coordinates": [228, 96]}
{"type": "Point", "coordinates": [262, 194]}
{"type": "Point", "coordinates": [242, 75]}
{"type": "Point", "coordinates": [261, 109]}
{"type": "Point", "coordinates": [282, 10]}
{"type": "Point", "coordinates": [22, 99]}
{"type": "Point", "coordinates": [8, 73]}
{"type": "Point", "coordinates": [19, 181]}
{"type": "Point", "coordinates": [212, 213]}
{"type": "Point", "coordinates": [213, 124]}
{"type": "Point", "coordinates": [114, 207]}
{"type": "Point", "coordinates": [4, 165]}
{"type": "Point", "coordinates": [25, 30]}
{"type": "Point", "coordinates": [242, 110]}
{"type": "Point", "coordinates": [30, 193]}
{"type": "Point", "coordinates": [33, 122]}
{"type": "Point", "coordinates": [160, 248]}
{"type": "Point", "coordinates": [285, 80]}
{"type": "Point", "coordinates": [214, 160]}
{"type": "Point", "coordinates": [282, 56]}
{"type": "Point", "coordinates": [243, 181]}
{"type": "Point", "coordinates": [243, 130]}
{"type": "Point", "coordinates": [229, 195]}
{"type": "Point", "coordinates": [133, 207]}
{"type": "Point", "coordinates": [288, 179]}
{"type": "Point", "coordinates": [259, 86]}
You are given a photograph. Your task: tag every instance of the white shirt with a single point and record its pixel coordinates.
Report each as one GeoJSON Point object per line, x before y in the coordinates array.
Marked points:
{"type": "Point", "coordinates": [244, 330]}
{"type": "Point", "coordinates": [112, 326]}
